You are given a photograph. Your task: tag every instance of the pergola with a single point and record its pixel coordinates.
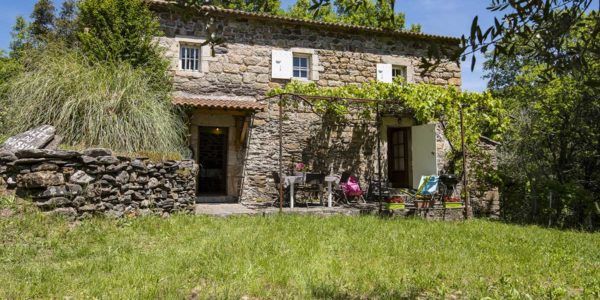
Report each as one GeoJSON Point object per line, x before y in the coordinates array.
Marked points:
{"type": "Point", "coordinates": [308, 98]}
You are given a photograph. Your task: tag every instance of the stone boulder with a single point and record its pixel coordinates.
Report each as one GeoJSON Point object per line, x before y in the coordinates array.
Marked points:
{"type": "Point", "coordinates": [40, 179]}
{"type": "Point", "coordinates": [80, 177]}
{"type": "Point", "coordinates": [35, 138]}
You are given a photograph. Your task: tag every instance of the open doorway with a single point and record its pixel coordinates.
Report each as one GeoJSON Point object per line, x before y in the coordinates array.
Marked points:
{"type": "Point", "coordinates": [212, 158]}
{"type": "Point", "coordinates": [398, 162]}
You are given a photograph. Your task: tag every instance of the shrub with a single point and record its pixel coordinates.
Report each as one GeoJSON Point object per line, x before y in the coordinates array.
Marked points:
{"type": "Point", "coordinates": [122, 31]}
{"type": "Point", "coordinates": [108, 105]}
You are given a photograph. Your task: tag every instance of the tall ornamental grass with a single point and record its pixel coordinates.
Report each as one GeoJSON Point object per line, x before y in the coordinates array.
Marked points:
{"type": "Point", "coordinates": [109, 105]}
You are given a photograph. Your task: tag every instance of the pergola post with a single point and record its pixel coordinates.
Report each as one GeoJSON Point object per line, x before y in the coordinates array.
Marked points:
{"type": "Point", "coordinates": [281, 179]}
{"type": "Point", "coordinates": [378, 124]}
{"type": "Point", "coordinates": [467, 213]}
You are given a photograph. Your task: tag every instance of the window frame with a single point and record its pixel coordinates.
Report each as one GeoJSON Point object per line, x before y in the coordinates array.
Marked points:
{"type": "Point", "coordinates": [300, 69]}
{"type": "Point", "coordinates": [196, 61]}
{"type": "Point", "coordinates": [402, 69]}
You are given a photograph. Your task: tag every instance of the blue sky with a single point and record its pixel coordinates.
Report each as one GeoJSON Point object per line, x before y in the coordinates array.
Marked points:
{"type": "Point", "coordinates": [444, 17]}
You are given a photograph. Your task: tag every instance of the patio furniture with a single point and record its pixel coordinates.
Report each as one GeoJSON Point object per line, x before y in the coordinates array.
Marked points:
{"type": "Point", "coordinates": [313, 185]}
{"type": "Point", "coordinates": [349, 187]}
{"type": "Point", "coordinates": [290, 181]}
{"type": "Point", "coordinates": [373, 190]}
{"type": "Point", "coordinates": [277, 181]}
{"type": "Point", "coordinates": [428, 191]}
{"type": "Point", "coordinates": [330, 180]}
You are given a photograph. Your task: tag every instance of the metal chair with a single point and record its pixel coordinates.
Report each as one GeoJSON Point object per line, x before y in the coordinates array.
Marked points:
{"type": "Point", "coordinates": [373, 190]}
{"type": "Point", "coordinates": [286, 190]}
{"type": "Point", "coordinates": [343, 195]}
{"type": "Point", "coordinates": [313, 186]}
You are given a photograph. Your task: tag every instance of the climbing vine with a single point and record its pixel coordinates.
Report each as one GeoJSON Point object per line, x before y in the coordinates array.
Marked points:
{"type": "Point", "coordinates": [483, 114]}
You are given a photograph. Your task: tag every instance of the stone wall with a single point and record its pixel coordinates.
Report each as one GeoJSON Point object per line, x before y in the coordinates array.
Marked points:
{"type": "Point", "coordinates": [95, 181]}
{"type": "Point", "coordinates": [485, 197]}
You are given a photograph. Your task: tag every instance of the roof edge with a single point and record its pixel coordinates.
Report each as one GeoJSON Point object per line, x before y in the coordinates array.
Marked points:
{"type": "Point", "coordinates": [330, 25]}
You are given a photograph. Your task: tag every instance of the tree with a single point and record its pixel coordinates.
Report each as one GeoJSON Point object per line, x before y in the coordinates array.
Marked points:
{"type": "Point", "coordinates": [122, 31]}
{"type": "Point", "coordinates": [370, 13]}
{"type": "Point", "coordinates": [264, 6]}
{"type": "Point", "coordinates": [551, 154]}
{"type": "Point", "coordinates": [42, 23]}
{"type": "Point", "coordinates": [538, 29]}
{"type": "Point", "coordinates": [66, 22]}
{"type": "Point", "coordinates": [20, 36]}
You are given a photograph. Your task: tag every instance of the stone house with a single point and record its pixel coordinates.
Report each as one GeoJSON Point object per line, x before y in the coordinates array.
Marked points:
{"type": "Point", "coordinates": [234, 129]}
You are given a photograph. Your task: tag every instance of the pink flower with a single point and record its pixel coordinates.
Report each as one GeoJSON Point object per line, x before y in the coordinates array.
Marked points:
{"type": "Point", "coordinates": [299, 166]}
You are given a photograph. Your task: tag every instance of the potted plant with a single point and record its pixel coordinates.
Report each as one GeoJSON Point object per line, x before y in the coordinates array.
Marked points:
{"type": "Point", "coordinates": [395, 203]}
{"type": "Point", "coordinates": [300, 169]}
{"type": "Point", "coordinates": [452, 202]}
{"type": "Point", "coordinates": [423, 202]}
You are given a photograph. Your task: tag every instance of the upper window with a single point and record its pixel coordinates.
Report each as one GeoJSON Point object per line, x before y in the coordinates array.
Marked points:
{"type": "Point", "coordinates": [399, 71]}
{"type": "Point", "coordinates": [301, 66]}
{"type": "Point", "coordinates": [189, 58]}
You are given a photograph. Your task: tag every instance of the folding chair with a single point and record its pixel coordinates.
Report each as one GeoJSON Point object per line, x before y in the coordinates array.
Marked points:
{"type": "Point", "coordinates": [349, 187]}
{"type": "Point", "coordinates": [428, 189]}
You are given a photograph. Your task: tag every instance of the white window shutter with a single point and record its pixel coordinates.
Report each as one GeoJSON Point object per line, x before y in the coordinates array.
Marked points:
{"type": "Point", "coordinates": [282, 64]}
{"type": "Point", "coordinates": [384, 73]}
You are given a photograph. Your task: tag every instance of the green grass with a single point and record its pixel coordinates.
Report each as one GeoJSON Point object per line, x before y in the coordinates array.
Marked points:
{"type": "Point", "coordinates": [292, 257]}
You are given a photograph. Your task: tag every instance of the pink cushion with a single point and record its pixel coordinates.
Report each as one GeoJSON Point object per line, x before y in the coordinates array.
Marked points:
{"type": "Point", "coordinates": [351, 188]}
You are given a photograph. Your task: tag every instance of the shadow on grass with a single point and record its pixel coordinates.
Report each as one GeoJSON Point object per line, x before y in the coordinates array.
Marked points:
{"type": "Point", "coordinates": [330, 291]}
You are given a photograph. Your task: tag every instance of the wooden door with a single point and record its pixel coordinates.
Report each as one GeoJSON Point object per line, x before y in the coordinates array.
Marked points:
{"type": "Point", "coordinates": [398, 163]}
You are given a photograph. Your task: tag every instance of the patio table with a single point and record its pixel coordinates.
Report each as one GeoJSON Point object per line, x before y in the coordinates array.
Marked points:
{"type": "Point", "coordinates": [291, 180]}
{"type": "Point", "coordinates": [330, 180]}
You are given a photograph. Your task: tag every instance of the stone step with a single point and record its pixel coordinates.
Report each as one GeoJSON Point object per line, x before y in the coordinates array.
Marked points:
{"type": "Point", "coordinates": [216, 199]}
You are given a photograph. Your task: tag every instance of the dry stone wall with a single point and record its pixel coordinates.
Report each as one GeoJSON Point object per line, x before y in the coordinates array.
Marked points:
{"type": "Point", "coordinates": [95, 181]}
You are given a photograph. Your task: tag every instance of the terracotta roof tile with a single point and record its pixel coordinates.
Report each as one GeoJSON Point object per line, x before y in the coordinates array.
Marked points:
{"type": "Point", "coordinates": [227, 104]}
{"type": "Point", "coordinates": [330, 25]}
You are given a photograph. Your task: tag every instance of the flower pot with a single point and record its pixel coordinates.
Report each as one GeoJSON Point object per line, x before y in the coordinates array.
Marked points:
{"type": "Point", "coordinates": [453, 205]}
{"type": "Point", "coordinates": [422, 204]}
{"type": "Point", "coordinates": [395, 206]}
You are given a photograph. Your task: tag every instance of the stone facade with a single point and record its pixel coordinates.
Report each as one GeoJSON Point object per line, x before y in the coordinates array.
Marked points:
{"type": "Point", "coordinates": [241, 66]}
{"type": "Point", "coordinates": [241, 69]}
{"type": "Point", "coordinates": [78, 184]}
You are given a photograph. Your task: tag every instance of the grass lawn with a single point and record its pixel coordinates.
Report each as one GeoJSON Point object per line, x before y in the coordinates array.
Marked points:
{"type": "Point", "coordinates": [292, 257]}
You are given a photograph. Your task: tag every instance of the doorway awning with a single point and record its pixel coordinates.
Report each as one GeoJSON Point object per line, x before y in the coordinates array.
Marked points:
{"type": "Point", "coordinates": [218, 103]}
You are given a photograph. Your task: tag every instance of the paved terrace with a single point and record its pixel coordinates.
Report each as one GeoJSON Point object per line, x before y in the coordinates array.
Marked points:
{"type": "Point", "coordinates": [229, 209]}
{"type": "Point", "coordinates": [233, 209]}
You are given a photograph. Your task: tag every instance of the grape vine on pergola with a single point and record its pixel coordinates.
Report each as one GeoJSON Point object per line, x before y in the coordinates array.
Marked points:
{"type": "Point", "coordinates": [308, 99]}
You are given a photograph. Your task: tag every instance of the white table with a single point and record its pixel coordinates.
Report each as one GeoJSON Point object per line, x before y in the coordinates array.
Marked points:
{"type": "Point", "coordinates": [330, 180]}
{"type": "Point", "coordinates": [291, 181]}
